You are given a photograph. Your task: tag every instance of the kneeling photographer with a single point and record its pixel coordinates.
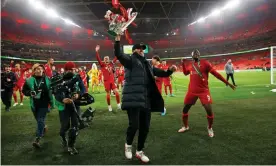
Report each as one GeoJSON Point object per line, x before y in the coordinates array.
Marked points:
{"type": "Point", "coordinates": [38, 88]}
{"type": "Point", "coordinates": [67, 92]}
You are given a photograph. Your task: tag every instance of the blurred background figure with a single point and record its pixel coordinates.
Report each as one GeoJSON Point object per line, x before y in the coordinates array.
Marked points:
{"type": "Point", "coordinates": [229, 69]}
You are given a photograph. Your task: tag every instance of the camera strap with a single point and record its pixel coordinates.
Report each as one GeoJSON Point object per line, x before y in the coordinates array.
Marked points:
{"type": "Point", "coordinates": [38, 84]}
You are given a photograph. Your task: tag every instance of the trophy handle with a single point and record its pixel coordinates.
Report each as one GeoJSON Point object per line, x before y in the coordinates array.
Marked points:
{"type": "Point", "coordinates": [114, 19]}
{"type": "Point", "coordinates": [129, 21]}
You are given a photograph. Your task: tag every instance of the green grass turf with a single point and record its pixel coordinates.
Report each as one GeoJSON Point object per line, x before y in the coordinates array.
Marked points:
{"type": "Point", "coordinates": [244, 128]}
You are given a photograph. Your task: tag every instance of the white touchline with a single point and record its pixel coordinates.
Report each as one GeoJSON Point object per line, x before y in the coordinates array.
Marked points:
{"type": "Point", "coordinates": [225, 86]}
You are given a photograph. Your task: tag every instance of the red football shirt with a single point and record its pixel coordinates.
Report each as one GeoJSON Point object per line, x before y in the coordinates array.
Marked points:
{"type": "Point", "coordinates": [83, 77]}
{"type": "Point", "coordinates": [107, 69]}
{"type": "Point", "coordinates": [20, 76]}
{"type": "Point", "coordinates": [166, 80]}
{"type": "Point", "coordinates": [100, 75]}
{"type": "Point", "coordinates": [159, 80]}
{"type": "Point", "coordinates": [121, 74]}
{"type": "Point", "coordinates": [48, 71]}
{"type": "Point", "coordinates": [197, 83]}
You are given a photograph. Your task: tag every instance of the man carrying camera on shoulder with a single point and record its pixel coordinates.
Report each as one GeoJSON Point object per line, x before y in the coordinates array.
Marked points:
{"type": "Point", "coordinates": [67, 92]}
{"type": "Point", "coordinates": [39, 90]}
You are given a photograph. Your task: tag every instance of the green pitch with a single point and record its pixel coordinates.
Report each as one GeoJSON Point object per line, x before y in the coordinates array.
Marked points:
{"type": "Point", "coordinates": [244, 129]}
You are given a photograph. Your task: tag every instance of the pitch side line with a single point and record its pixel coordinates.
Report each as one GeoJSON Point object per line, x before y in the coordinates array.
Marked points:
{"type": "Point", "coordinates": [237, 86]}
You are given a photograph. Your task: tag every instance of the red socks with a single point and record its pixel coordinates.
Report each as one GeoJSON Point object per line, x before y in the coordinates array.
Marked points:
{"type": "Point", "coordinates": [108, 98]}
{"type": "Point", "coordinates": [117, 97]}
{"type": "Point", "coordinates": [185, 119]}
{"type": "Point", "coordinates": [210, 120]}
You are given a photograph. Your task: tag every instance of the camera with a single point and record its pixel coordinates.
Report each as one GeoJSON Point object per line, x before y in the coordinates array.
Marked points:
{"type": "Point", "coordinates": [88, 115]}
{"type": "Point", "coordinates": [67, 86]}
{"type": "Point", "coordinates": [64, 83]}
{"type": "Point", "coordinates": [33, 93]}
{"type": "Point", "coordinates": [85, 118]}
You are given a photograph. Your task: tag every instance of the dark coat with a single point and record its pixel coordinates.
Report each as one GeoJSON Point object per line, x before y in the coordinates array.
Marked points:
{"type": "Point", "coordinates": [135, 91]}
{"type": "Point", "coordinates": [5, 84]}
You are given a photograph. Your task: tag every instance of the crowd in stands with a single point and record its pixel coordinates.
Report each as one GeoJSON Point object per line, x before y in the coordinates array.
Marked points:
{"type": "Point", "coordinates": [34, 51]}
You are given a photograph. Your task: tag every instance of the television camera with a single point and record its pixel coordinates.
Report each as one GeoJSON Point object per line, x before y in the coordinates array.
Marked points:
{"type": "Point", "coordinates": [67, 86]}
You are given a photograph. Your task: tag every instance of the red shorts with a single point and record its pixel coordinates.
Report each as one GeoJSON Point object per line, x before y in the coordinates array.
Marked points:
{"type": "Point", "coordinates": [204, 97]}
{"type": "Point", "coordinates": [109, 86]}
{"type": "Point", "coordinates": [17, 87]}
{"type": "Point", "coordinates": [159, 86]}
{"type": "Point", "coordinates": [167, 84]}
{"type": "Point", "coordinates": [120, 80]}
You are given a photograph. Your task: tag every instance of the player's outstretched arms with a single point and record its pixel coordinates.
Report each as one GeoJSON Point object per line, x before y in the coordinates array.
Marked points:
{"type": "Point", "coordinates": [220, 77]}
{"type": "Point", "coordinates": [185, 70]}
{"type": "Point", "coordinates": [162, 73]}
{"type": "Point", "coordinates": [97, 49]}
{"type": "Point", "coordinates": [125, 60]}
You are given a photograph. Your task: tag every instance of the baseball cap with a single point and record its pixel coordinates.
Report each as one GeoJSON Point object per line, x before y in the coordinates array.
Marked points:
{"type": "Point", "coordinates": [139, 46]}
{"type": "Point", "coordinates": [69, 65]}
{"type": "Point", "coordinates": [36, 66]}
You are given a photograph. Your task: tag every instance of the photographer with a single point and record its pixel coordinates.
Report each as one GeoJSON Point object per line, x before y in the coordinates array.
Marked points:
{"type": "Point", "coordinates": [38, 88]}
{"type": "Point", "coordinates": [67, 109]}
{"type": "Point", "coordinates": [8, 81]}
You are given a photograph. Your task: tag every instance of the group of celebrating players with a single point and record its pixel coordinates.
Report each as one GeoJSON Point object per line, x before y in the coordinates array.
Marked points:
{"type": "Point", "coordinates": [198, 86]}
{"type": "Point", "coordinates": [112, 79]}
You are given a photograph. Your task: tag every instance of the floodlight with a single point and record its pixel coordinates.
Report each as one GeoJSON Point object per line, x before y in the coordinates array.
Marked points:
{"type": "Point", "coordinates": [67, 21]}
{"type": "Point", "coordinates": [202, 19]}
{"type": "Point", "coordinates": [52, 13]}
{"type": "Point", "coordinates": [232, 4]}
{"type": "Point", "coordinates": [38, 5]}
{"type": "Point", "coordinates": [216, 12]}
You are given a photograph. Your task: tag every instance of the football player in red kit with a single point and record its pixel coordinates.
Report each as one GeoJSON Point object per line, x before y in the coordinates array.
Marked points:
{"type": "Point", "coordinates": [158, 80]}
{"type": "Point", "coordinates": [48, 67]}
{"type": "Point", "coordinates": [83, 76]}
{"type": "Point", "coordinates": [198, 88]}
{"type": "Point", "coordinates": [107, 69]}
{"type": "Point", "coordinates": [100, 77]}
{"type": "Point", "coordinates": [21, 78]}
{"type": "Point", "coordinates": [167, 80]}
{"type": "Point", "coordinates": [121, 77]}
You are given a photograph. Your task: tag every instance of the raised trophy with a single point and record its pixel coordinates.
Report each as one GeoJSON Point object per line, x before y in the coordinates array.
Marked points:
{"type": "Point", "coordinates": [117, 23]}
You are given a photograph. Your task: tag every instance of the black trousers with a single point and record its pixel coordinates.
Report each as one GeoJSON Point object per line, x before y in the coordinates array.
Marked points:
{"type": "Point", "coordinates": [69, 121]}
{"type": "Point", "coordinates": [6, 97]}
{"type": "Point", "coordinates": [232, 78]}
{"type": "Point", "coordinates": [138, 119]}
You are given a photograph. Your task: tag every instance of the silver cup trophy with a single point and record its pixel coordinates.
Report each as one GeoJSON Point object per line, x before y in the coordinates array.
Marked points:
{"type": "Point", "coordinates": [117, 23]}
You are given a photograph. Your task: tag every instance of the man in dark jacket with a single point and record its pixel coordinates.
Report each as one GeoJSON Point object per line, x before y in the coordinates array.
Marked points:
{"type": "Point", "coordinates": [67, 109]}
{"type": "Point", "coordinates": [38, 88]}
{"type": "Point", "coordinates": [140, 95]}
{"type": "Point", "coordinates": [8, 81]}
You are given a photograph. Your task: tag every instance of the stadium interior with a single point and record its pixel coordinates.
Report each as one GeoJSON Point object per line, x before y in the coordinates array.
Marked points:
{"type": "Point", "coordinates": [240, 30]}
